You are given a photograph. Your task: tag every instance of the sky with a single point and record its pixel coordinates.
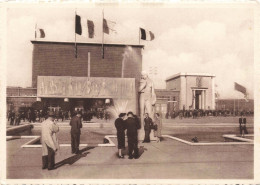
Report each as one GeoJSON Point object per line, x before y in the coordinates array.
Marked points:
{"type": "Point", "coordinates": [192, 39]}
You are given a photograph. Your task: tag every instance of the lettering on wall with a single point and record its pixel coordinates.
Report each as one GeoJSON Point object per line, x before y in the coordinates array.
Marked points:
{"type": "Point", "coordinates": [85, 87]}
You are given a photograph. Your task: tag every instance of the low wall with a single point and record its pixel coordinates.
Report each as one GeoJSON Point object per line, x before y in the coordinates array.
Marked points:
{"type": "Point", "coordinates": [18, 130]}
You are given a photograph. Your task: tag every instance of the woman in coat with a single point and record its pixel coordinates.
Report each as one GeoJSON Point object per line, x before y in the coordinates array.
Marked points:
{"type": "Point", "coordinates": [120, 128]}
{"type": "Point", "coordinates": [158, 122]}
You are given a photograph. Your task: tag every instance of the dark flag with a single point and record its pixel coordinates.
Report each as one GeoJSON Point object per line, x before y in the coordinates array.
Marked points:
{"type": "Point", "coordinates": [78, 28]}
{"type": "Point", "coordinates": [39, 33]}
{"type": "Point", "coordinates": [108, 26]}
{"type": "Point", "coordinates": [146, 35]}
{"type": "Point", "coordinates": [240, 88]}
{"type": "Point", "coordinates": [143, 34]}
{"type": "Point", "coordinates": [91, 30]}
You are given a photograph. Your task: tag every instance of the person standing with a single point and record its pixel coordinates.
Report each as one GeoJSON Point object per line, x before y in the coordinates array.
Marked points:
{"type": "Point", "coordinates": [76, 125]}
{"type": "Point", "coordinates": [242, 125]}
{"type": "Point", "coordinates": [120, 128]}
{"type": "Point", "coordinates": [132, 126]}
{"type": "Point", "coordinates": [49, 142]}
{"type": "Point", "coordinates": [12, 118]}
{"type": "Point", "coordinates": [158, 122]}
{"type": "Point", "coordinates": [148, 123]}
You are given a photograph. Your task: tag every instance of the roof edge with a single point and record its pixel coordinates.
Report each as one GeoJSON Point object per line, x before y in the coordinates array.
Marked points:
{"type": "Point", "coordinates": [190, 74]}
{"type": "Point", "coordinates": [83, 43]}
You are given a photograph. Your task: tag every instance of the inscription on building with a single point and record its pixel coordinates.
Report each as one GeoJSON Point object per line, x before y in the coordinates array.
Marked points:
{"type": "Point", "coordinates": [85, 87]}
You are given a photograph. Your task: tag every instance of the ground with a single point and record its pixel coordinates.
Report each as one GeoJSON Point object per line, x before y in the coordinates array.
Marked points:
{"type": "Point", "coordinates": [169, 159]}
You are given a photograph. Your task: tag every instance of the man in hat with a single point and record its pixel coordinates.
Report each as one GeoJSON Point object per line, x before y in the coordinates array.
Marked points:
{"type": "Point", "coordinates": [132, 126]}
{"type": "Point", "coordinates": [76, 125]}
{"type": "Point", "coordinates": [49, 142]}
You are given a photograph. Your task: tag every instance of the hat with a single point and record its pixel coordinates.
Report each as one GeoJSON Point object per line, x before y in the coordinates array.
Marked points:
{"type": "Point", "coordinates": [51, 114]}
{"type": "Point", "coordinates": [122, 115]}
{"type": "Point", "coordinates": [130, 113]}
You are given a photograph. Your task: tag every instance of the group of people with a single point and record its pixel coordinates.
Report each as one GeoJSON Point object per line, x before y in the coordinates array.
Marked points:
{"type": "Point", "coordinates": [196, 113]}
{"type": "Point", "coordinates": [131, 124]}
{"type": "Point", "coordinates": [49, 138]}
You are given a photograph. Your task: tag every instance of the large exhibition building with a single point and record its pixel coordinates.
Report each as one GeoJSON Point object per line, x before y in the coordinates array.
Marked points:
{"type": "Point", "coordinates": [94, 77]}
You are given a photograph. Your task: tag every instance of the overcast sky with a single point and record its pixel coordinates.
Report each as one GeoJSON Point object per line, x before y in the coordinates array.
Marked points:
{"type": "Point", "coordinates": [187, 39]}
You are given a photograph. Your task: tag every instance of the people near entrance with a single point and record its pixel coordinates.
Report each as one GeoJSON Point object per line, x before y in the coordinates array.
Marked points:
{"type": "Point", "coordinates": [148, 124]}
{"type": "Point", "coordinates": [76, 125]}
{"type": "Point", "coordinates": [120, 128]}
{"type": "Point", "coordinates": [12, 117]}
{"type": "Point", "coordinates": [242, 125]}
{"type": "Point", "coordinates": [17, 118]}
{"type": "Point", "coordinates": [132, 126]}
{"type": "Point", "coordinates": [49, 142]}
{"type": "Point", "coordinates": [158, 126]}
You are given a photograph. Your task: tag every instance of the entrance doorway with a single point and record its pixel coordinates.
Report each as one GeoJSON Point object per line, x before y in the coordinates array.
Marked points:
{"type": "Point", "coordinates": [199, 99]}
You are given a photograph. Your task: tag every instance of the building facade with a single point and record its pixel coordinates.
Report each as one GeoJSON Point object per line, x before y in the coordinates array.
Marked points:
{"type": "Point", "coordinates": [197, 90]}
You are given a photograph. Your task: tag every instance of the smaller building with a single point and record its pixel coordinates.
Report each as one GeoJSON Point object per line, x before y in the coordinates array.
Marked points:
{"type": "Point", "coordinates": [196, 90]}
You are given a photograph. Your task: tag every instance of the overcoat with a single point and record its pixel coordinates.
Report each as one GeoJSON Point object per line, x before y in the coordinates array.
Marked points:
{"type": "Point", "coordinates": [49, 138]}
{"type": "Point", "coordinates": [158, 132]}
{"type": "Point", "coordinates": [76, 125]}
{"type": "Point", "coordinates": [132, 126]}
{"type": "Point", "coordinates": [120, 127]}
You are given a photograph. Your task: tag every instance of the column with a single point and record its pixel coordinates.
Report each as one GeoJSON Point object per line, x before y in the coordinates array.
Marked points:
{"type": "Point", "coordinates": [193, 98]}
{"type": "Point", "coordinates": [213, 93]}
{"type": "Point", "coordinates": [203, 99]}
{"type": "Point", "coordinates": [200, 101]}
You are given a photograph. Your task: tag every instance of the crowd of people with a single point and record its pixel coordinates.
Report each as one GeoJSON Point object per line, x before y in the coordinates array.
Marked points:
{"type": "Point", "coordinates": [196, 113]}
{"type": "Point", "coordinates": [131, 124]}
{"type": "Point", "coordinates": [34, 116]}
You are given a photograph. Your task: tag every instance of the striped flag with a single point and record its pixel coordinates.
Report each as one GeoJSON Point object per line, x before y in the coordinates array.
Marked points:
{"type": "Point", "coordinates": [146, 35]}
{"type": "Point", "coordinates": [240, 88]}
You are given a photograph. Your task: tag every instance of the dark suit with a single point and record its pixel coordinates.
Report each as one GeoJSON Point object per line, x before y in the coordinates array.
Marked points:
{"type": "Point", "coordinates": [132, 126]}
{"type": "Point", "coordinates": [120, 127]}
{"type": "Point", "coordinates": [148, 123]}
{"type": "Point", "coordinates": [76, 125]}
{"type": "Point", "coordinates": [242, 121]}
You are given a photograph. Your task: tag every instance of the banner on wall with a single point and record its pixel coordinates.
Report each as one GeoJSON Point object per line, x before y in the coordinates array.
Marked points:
{"type": "Point", "coordinates": [85, 87]}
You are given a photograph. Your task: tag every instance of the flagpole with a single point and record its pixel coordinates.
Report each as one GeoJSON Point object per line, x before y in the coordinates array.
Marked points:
{"type": "Point", "coordinates": [35, 31]}
{"type": "Point", "coordinates": [103, 34]}
{"type": "Point", "coordinates": [234, 106]}
{"type": "Point", "coordinates": [139, 35]}
{"type": "Point", "coordinates": [76, 52]}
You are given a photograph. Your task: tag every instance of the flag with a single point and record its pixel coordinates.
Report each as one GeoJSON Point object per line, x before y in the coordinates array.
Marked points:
{"type": "Point", "coordinates": [108, 26]}
{"type": "Point", "coordinates": [240, 88]}
{"type": "Point", "coordinates": [91, 29]}
{"type": "Point", "coordinates": [39, 33]}
{"type": "Point", "coordinates": [78, 28]}
{"type": "Point", "coordinates": [146, 35]}
{"type": "Point", "coordinates": [87, 28]}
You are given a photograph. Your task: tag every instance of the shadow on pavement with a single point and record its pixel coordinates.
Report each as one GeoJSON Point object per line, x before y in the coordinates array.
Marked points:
{"type": "Point", "coordinates": [75, 158]}
{"type": "Point", "coordinates": [141, 150]}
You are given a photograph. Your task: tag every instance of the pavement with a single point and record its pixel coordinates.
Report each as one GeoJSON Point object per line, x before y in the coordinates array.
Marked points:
{"type": "Point", "coordinates": [169, 159]}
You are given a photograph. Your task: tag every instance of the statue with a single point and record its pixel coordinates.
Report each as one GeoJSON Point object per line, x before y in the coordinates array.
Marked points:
{"type": "Point", "coordinates": [147, 96]}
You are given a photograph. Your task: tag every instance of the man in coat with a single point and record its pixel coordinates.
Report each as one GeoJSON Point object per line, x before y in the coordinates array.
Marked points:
{"type": "Point", "coordinates": [49, 142]}
{"type": "Point", "coordinates": [132, 125]}
{"type": "Point", "coordinates": [76, 125]}
{"type": "Point", "coordinates": [148, 123]}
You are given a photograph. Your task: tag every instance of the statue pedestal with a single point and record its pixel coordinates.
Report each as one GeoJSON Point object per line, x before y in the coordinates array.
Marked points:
{"type": "Point", "coordinates": [141, 135]}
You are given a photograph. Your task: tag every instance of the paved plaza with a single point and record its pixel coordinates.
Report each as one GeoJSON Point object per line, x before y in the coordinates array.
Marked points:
{"type": "Point", "coordinates": [169, 159]}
